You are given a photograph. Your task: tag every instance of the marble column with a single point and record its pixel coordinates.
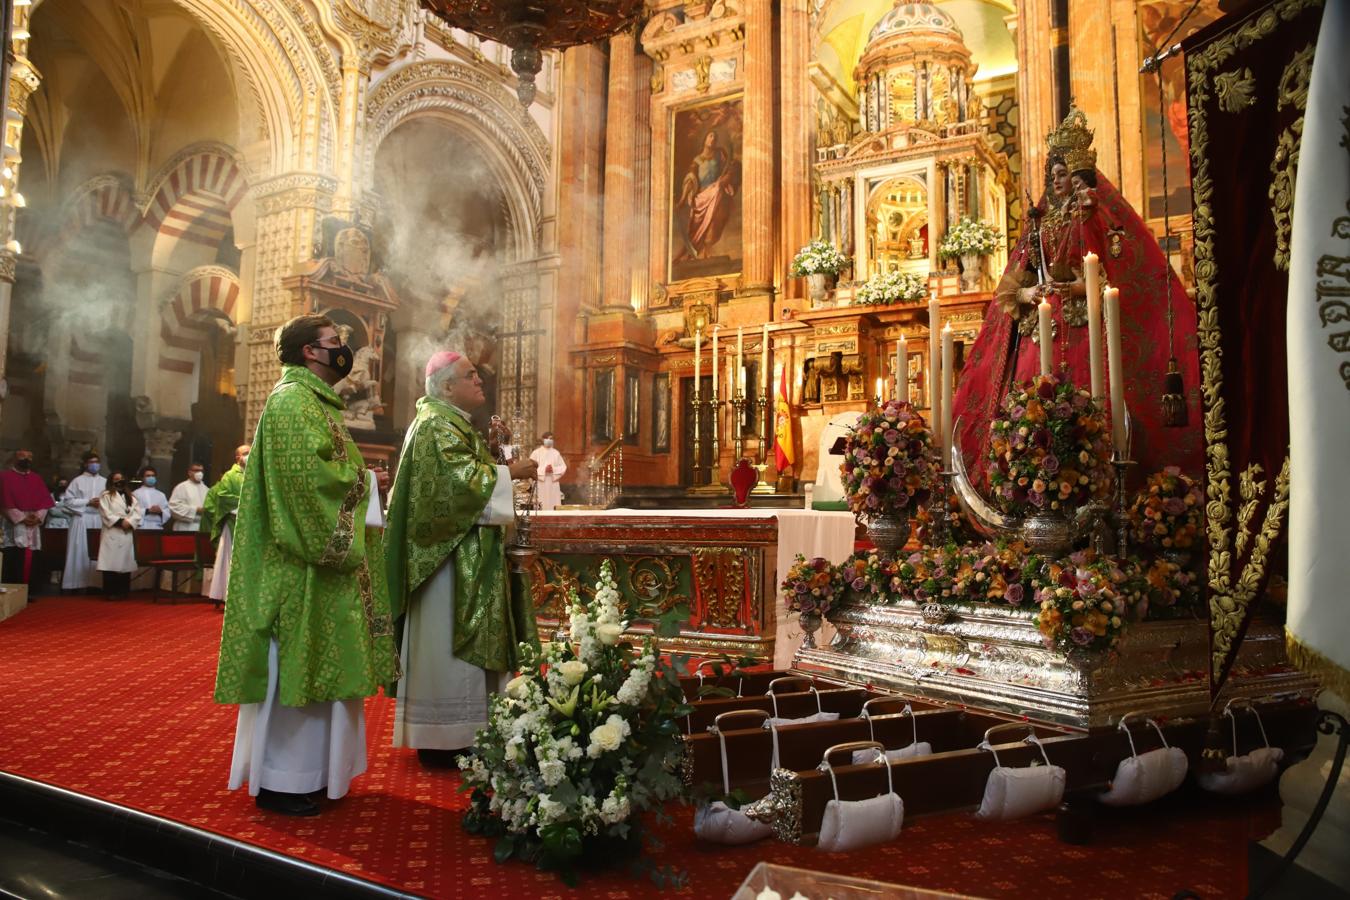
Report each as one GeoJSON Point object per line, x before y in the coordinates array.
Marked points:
{"type": "Point", "coordinates": [620, 224]}
{"type": "Point", "coordinates": [1035, 87]}
{"type": "Point", "coordinates": [1094, 78]}
{"type": "Point", "coordinates": [758, 189]}
{"type": "Point", "coordinates": [797, 113]}
{"type": "Point", "coordinates": [580, 142]}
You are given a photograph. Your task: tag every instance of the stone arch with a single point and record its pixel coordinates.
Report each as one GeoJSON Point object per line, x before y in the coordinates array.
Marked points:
{"type": "Point", "coordinates": [202, 294]}
{"type": "Point", "coordinates": [490, 115]}
{"type": "Point", "coordinates": [104, 197]}
{"type": "Point", "coordinates": [192, 204]}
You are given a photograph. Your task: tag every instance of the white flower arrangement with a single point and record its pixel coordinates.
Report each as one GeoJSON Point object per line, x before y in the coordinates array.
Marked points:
{"type": "Point", "coordinates": [818, 258]}
{"type": "Point", "coordinates": [582, 739]}
{"type": "Point", "coordinates": [891, 287]}
{"type": "Point", "coordinates": [969, 236]}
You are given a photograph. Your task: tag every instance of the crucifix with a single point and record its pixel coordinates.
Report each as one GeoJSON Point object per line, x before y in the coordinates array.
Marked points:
{"type": "Point", "coordinates": [519, 333]}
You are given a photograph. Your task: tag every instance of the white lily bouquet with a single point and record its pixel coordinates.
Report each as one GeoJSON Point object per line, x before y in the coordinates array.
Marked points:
{"type": "Point", "coordinates": [818, 258]}
{"type": "Point", "coordinates": [969, 236]}
{"type": "Point", "coordinates": [891, 287]}
{"type": "Point", "coordinates": [583, 739]}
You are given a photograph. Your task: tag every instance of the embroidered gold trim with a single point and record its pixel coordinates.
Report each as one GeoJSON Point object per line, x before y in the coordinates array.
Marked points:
{"type": "Point", "coordinates": [344, 531]}
{"type": "Point", "coordinates": [1236, 90]}
{"type": "Point", "coordinates": [1334, 676]}
{"type": "Point", "coordinates": [1225, 606]}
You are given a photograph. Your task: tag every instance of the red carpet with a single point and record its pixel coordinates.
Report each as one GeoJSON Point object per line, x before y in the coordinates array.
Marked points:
{"type": "Point", "coordinates": [113, 700]}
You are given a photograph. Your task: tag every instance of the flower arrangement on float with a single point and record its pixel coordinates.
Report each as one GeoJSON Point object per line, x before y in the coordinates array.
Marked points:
{"type": "Point", "coordinates": [969, 236]}
{"type": "Point", "coordinates": [810, 586]}
{"type": "Point", "coordinates": [890, 465]}
{"type": "Point", "coordinates": [1049, 449]}
{"type": "Point", "coordinates": [581, 741]}
{"type": "Point", "coordinates": [818, 258]}
{"type": "Point", "coordinates": [1083, 601]}
{"type": "Point", "coordinates": [891, 287]}
{"type": "Point", "coordinates": [1166, 513]}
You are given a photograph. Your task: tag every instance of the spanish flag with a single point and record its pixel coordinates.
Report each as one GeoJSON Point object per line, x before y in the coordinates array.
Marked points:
{"type": "Point", "coordinates": [783, 452]}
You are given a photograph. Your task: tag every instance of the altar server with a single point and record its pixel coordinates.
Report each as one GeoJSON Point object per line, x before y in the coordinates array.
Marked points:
{"type": "Point", "coordinates": [24, 501]}
{"type": "Point", "coordinates": [154, 505]}
{"type": "Point", "coordinates": [307, 634]}
{"type": "Point", "coordinates": [447, 567]}
{"type": "Point", "coordinates": [187, 499]}
{"type": "Point", "coordinates": [120, 514]}
{"type": "Point", "coordinates": [221, 503]}
{"type": "Point", "coordinates": [552, 467]}
{"type": "Point", "coordinates": [81, 498]}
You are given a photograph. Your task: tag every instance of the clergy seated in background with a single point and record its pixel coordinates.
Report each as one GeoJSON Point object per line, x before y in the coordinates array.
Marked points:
{"type": "Point", "coordinates": [552, 467]}
{"type": "Point", "coordinates": [81, 499]}
{"type": "Point", "coordinates": [307, 634]}
{"type": "Point", "coordinates": [24, 501]}
{"type": "Point", "coordinates": [219, 508]}
{"type": "Point", "coordinates": [445, 550]}
{"type": "Point", "coordinates": [187, 499]}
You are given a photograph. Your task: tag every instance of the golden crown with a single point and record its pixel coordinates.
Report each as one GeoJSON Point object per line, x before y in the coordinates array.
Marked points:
{"type": "Point", "coordinates": [1073, 141]}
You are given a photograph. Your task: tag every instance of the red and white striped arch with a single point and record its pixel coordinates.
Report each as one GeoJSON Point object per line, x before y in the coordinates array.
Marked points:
{"type": "Point", "coordinates": [205, 291]}
{"type": "Point", "coordinates": [103, 198]}
{"type": "Point", "coordinates": [193, 200]}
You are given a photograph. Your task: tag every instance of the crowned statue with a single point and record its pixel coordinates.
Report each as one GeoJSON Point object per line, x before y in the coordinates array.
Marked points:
{"type": "Point", "coordinates": [1080, 213]}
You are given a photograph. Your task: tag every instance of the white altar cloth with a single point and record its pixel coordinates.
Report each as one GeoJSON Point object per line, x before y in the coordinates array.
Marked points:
{"type": "Point", "coordinates": [808, 532]}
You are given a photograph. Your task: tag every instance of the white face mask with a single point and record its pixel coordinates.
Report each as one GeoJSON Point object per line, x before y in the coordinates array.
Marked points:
{"type": "Point", "coordinates": [195, 476]}
{"type": "Point", "coordinates": [548, 442]}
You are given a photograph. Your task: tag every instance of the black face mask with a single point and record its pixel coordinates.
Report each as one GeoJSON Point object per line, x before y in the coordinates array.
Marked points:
{"type": "Point", "coordinates": [340, 359]}
{"type": "Point", "coordinates": [24, 465]}
{"type": "Point", "coordinates": [119, 486]}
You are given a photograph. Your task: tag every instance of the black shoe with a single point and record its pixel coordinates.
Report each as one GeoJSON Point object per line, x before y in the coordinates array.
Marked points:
{"type": "Point", "coordinates": [439, 759]}
{"type": "Point", "coordinates": [286, 804]}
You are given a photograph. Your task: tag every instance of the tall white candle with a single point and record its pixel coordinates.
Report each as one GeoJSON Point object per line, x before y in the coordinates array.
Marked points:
{"type": "Point", "coordinates": [1092, 277]}
{"type": "Point", "coordinates": [764, 361]}
{"type": "Point", "coordinates": [1111, 307]}
{"type": "Point", "coordinates": [698, 359]}
{"type": "Point", "coordinates": [934, 365]}
{"type": "Point", "coordinates": [877, 395]}
{"type": "Point", "coordinates": [902, 370]}
{"type": "Point", "coordinates": [715, 360]}
{"type": "Point", "coordinates": [1047, 341]}
{"type": "Point", "coordinates": [948, 381]}
{"type": "Point", "coordinates": [740, 356]}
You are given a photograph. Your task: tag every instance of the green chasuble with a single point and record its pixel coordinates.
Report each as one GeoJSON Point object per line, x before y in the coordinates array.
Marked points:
{"type": "Point", "coordinates": [445, 479]}
{"type": "Point", "coordinates": [222, 501]}
{"type": "Point", "coordinates": [305, 569]}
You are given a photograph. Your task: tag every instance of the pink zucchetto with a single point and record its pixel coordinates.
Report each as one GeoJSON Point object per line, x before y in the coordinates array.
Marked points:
{"type": "Point", "coordinates": [440, 360]}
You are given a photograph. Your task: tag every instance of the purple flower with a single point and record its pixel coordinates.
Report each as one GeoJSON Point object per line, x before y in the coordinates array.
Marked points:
{"type": "Point", "coordinates": [1081, 636]}
{"type": "Point", "coordinates": [915, 558]}
{"type": "Point", "coordinates": [1015, 593]}
{"type": "Point", "coordinates": [1018, 412]}
{"type": "Point", "coordinates": [1080, 400]}
{"type": "Point", "coordinates": [801, 587]}
{"type": "Point", "coordinates": [1078, 558]}
{"type": "Point", "coordinates": [872, 500]}
{"type": "Point", "coordinates": [921, 594]}
{"type": "Point", "coordinates": [1063, 410]}
{"type": "Point", "coordinates": [1037, 498]}
{"type": "Point", "coordinates": [1050, 464]}
{"type": "Point", "coordinates": [859, 454]}
{"type": "Point", "coordinates": [859, 583]}
{"type": "Point", "coordinates": [1174, 506]}
{"type": "Point", "coordinates": [901, 497]}
{"type": "Point", "coordinates": [891, 435]}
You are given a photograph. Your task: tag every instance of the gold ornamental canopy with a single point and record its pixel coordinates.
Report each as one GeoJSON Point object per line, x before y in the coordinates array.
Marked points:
{"type": "Point", "coordinates": [530, 27]}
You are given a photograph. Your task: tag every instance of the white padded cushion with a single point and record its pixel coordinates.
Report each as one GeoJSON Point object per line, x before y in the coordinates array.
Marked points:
{"type": "Point", "coordinates": [721, 824]}
{"type": "Point", "coordinates": [920, 748]}
{"type": "Point", "coordinates": [1146, 777]}
{"type": "Point", "coordinates": [1244, 773]}
{"type": "Point", "coordinates": [1012, 793]}
{"type": "Point", "coordinates": [850, 824]}
{"type": "Point", "coordinates": [814, 717]}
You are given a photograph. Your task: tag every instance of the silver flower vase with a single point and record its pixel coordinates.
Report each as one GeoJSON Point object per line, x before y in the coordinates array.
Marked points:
{"type": "Point", "coordinates": [1048, 533]}
{"type": "Point", "coordinates": [810, 622]}
{"type": "Point", "coordinates": [889, 531]}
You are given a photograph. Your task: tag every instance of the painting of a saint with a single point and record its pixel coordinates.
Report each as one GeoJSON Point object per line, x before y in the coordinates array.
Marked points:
{"type": "Point", "coordinates": [705, 228]}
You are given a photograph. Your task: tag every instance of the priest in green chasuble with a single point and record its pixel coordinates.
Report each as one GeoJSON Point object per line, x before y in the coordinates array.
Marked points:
{"type": "Point", "coordinates": [222, 502]}
{"type": "Point", "coordinates": [445, 549]}
{"type": "Point", "coordinates": [307, 634]}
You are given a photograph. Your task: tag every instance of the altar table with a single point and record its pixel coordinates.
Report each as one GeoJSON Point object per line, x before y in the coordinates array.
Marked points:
{"type": "Point", "coordinates": [726, 564]}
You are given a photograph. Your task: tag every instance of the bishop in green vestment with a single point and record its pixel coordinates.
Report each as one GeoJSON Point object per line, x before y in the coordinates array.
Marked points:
{"type": "Point", "coordinates": [445, 551]}
{"type": "Point", "coordinates": [307, 633]}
